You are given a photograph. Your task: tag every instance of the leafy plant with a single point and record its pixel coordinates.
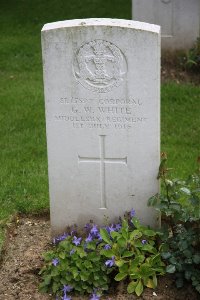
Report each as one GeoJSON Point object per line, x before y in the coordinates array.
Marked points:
{"type": "Point", "coordinates": [179, 205]}
{"type": "Point", "coordinates": [133, 251]}
{"type": "Point", "coordinates": [88, 263]}
{"type": "Point", "coordinates": [74, 263]}
{"type": "Point", "coordinates": [193, 56]}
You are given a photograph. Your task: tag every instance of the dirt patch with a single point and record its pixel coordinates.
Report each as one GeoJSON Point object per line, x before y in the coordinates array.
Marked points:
{"type": "Point", "coordinates": [28, 238]}
{"type": "Point", "coordinates": [173, 69]}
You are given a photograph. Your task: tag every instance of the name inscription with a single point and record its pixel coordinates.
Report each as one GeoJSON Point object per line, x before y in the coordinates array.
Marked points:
{"type": "Point", "coordinates": [103, 113]}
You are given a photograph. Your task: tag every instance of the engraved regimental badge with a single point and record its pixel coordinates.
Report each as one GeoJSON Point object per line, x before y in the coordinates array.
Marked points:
{"type": "Point", "coordinates": [99, 66]}
{"type": "Point", "coordinates": [166, 1]}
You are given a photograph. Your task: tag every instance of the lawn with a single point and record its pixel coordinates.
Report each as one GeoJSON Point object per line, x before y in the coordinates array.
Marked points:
{"type": "Point", "coordinates": [23, 159]}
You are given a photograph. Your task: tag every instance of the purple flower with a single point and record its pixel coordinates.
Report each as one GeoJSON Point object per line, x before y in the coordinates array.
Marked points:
{"type": "Point", "coordinates": [88, 226]}
{"type": "Point", "coordinates": [67, 288]}
{"type": "Point", "coordinates": [60, 238]}
{"type": "Point", "coordinates": [94, 231]}
{"type": "Point", "coordinates": [99, 237]}
{"type": "Point", "coordinates": [132, 213]}
{"type": "Point", "coordinates": [111, 228]}
{"type": "Point", "coordinates": [108, 229]}
{"type": "Point", "coordinates": [55, 262]}
{"type": "Point", "coordinates": [107, 247]}
{"type": "Point", "coordinates": [95, 297]}
{"type": "Point", "coordinates": [144, 242]}
{"type": "Point", "coordinates": [118, 227]}
{"type": "Point", "coordinates": [110, 262]}
{"type": "Point", "coordinates": [89, 238]}
{"type": "Point", "coordinates": [73, 232]}
{"type": "Point", "coordinates": [76, 240]}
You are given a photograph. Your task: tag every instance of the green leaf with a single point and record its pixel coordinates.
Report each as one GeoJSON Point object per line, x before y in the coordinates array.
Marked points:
{"type": "Point", "coordinates": [65, 245]}
{"type": "Point", "coordinates": [115, 234]}
{"type": "Point", "coordinates": [119, 263]}
{"type": "Point", "coordinates": [153, 201]}
{"type": "Point", "coordinates": [122, 242]}
{"type": "Point", "coordinates": [146, 270]}
{"type": "Point", "coordinates": [149, 248]}
{"type": "Point", "coordinates": [93, 257]}
{"type": "Point", "coordinates": [155, 258]}
{"type": "Point", "coordinates": [173, 260]}
{"type": "Point", "coordinates": [43, 288]}
{"type": "Point", "coordinates": [62, 255]}
{"type": "Point", "coordinates": [124, 229]}
{"type": "Point", "coordinates": [55, 287]}
{"type": "Point", "coordinates": [105, 236]}
{"type": "Point", "coordinates": [170, 269]}
{"type": "Point", "coordinates": [107, 253]}
{"type": "Point", "coordinates": [81, 252]}
{"type": "Point", "coordinates": [155, 281]}
{"type": "Point", "coordinates": [150, 284]}
{"type": "Point", "coordinates": [131, 287]}
{"type": "Point", "coordinates": [136, 222]}
{"type": "Point", "coordinates": [188, 275]}
{"type": "Point", "coordinates": [124, 268]}
{"type": "Point", "coordinates": [139, 288]}
{"type": "Point", "coordinates": [84, 276]}
{"type": "Point", "coordinates": [47, 280]}
{"type": "Point", "coordinates": [187, 253]}
{"type": "Point", "coordinates": [91, 245]}
{"type": "Point", "coordinates": [120, 276]}
{"type": "Point", "coordinates": [196, 259]}
{"type": "Point", "coordinates": [149, 232]}
{"type": "Point", "coordinates": [127, 254]}
{"type": "Point", "coordinates": [185, 190]}
{"type": "Point", "coordinates": [166, 255]}
{"type": "Point", "coordinates": [175, 206]}
{"type": "Point", "coordinates": [135, 234]}
{"type": "Point", "coordinates": [88, 264]}
{"type": "Point", "coordinates": [134, 264]}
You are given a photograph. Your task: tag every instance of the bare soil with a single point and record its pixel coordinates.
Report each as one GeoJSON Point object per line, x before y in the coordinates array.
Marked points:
{"type": "Point", "coordinates": [28, 238]}
{"type": "Point", "coordinates": [173, 70]}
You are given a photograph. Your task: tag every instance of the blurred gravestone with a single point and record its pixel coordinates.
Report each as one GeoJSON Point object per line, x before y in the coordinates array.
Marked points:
{"type": "Point", "coordinates": [102, 90]}
{"type": "Point", "coordinates": [179, 20]}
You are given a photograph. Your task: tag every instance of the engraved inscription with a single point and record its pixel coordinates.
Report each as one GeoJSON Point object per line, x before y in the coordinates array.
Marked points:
{"type": "Point", "coordinates": [102, 160]}
{"type": "Point", "coordinates": [99, 66]}
{"type": "Point", "coordinates": [103, 113]}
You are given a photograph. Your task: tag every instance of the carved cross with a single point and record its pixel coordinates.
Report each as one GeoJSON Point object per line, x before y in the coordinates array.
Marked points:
{"type": "Point", "coordinates": [102, 160]}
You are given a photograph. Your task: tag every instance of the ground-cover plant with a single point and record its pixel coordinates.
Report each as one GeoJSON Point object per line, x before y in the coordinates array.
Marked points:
{"type": "Point", "coordinates": [179, 204]}
{"type": "Point", "coordinates": [192, 60]}
{"type": "Point", "coordinates": [86, 264]}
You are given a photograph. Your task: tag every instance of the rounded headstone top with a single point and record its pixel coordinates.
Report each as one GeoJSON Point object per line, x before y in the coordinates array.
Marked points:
{"type": "Point", "coordinates": [102, 22]}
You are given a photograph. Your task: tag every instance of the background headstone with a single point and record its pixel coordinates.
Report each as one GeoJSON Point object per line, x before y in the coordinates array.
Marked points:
{"type": "Point", "coordinates": [179, 20]}
{"type": "Point", "coordinates": [102, 90]}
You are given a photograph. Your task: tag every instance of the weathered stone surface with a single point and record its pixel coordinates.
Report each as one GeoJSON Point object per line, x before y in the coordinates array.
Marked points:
{"type": "Point", "coordinates": [102, 89]}
{"type": "Point", "coordinates": [179, 20]}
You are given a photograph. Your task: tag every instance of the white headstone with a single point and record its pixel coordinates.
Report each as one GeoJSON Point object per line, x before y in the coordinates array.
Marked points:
{"type": "Point", "coordinates": [102, 90]}
{"type": "Point", "coordinates": [179, 20]}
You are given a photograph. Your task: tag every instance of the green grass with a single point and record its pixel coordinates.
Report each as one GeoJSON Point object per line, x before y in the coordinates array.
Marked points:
{"type": "Point", "coordinates": [23, 161]}
{"type": "Point", "coordinates": [180, 124]}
